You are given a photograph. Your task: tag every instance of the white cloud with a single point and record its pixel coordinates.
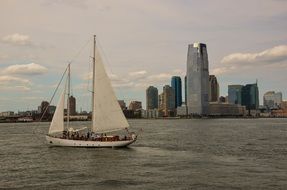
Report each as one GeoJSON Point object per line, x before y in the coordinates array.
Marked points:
{"type": "Point", "coordinates": [26, 69]}
{"type": "Point", "coordinates": [269, 56]}
{"type": "Point", "coordinates": [276, 56]}
{"type": "Point", "coordinates": [17, 39]}
{"type": "Point", "coordinates": [137, 73]}
{"type": "Point", "coordinates": [10, 79]}
{"type": "Point", "coordinates": [161, 77]}
{"type": "Point", "coordinates": [14, 83]}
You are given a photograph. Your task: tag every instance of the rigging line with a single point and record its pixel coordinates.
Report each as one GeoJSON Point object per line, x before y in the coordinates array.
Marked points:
{"type": "Point", "coordinates": [80, 51]}
{"type": "Point", "coordinates": [104, 56]}
{"type": "Point", "coordinates": [54, 93]}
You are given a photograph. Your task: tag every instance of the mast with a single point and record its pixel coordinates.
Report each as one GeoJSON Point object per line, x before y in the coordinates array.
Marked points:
{"type": "Point", "coordinates": [94, 77]}
{"type": "Point", "coordinates": [68, 103]}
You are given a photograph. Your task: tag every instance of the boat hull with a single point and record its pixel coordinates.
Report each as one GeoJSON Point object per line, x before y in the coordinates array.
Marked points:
{"type": "Point", "coordinates": [53, 141]}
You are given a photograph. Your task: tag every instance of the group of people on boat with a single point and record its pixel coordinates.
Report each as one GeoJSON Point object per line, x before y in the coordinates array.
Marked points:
{"type": "Point", "coordinates": [91, 136]}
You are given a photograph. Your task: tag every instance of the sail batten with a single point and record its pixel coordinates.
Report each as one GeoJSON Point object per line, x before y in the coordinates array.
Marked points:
{"type": "Point", "coordinates": [107, 114]}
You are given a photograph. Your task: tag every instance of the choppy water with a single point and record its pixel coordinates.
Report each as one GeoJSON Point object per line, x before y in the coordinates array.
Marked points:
{"type": "Point", "coordinates": [169, 154]}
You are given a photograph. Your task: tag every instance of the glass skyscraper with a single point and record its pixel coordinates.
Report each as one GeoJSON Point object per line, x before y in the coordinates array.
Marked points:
{"type": "Point", "coordinates": [151, 98]}
{"type": "Point", "coordinates": [234, 94]}
{"type": "Point", "coordinates": [250, 96]}
{"type": "Point", "coordinates": [176, 85]}
{"type": "Point", "coordinates": [197, 79]}
{"type": "Point", "coordinates": [213, 89]}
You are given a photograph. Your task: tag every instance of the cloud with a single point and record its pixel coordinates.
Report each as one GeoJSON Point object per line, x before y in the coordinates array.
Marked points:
{"type": "Point", "coordinates": [16, 39]}
{"type": "Point", "coordinates": [136, 73]}
{"type": "Point", "coordinates": [269, 56]}
{"type": "Point", "coordinates": [26, 69]}
{"type": "Point", "coordinates": [10, 79]}
{"type": "Point", "coordinates": [14, 83]}
{"type": "Point", "coordinates": [276, 56]}
{"type": "Point", "coordinates": [137, 79]}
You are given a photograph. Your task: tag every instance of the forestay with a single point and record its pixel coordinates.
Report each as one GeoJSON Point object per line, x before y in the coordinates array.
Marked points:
{"type": "Point", "coordinates": [107, 114]}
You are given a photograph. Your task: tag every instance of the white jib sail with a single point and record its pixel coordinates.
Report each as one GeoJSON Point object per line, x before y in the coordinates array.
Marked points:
{"type": "Point", "coordinates": [107, 115]}
{"type": "Point", "coordinates": [57, 124]}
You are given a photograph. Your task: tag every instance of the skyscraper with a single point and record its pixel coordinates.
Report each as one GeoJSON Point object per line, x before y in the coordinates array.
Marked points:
{"type": "Point", "coordinates": [234, 94]}
{"type": "Point", "coordinates": [167, 101]}
{"type": "Point", "coordinates": [176, 85]}
{"type": "Point", "coordinates": [72, 103]}
{"type": "Point", "coordinates": [44, 107]}
{"type": "Point", "coordinates": [197, 79]}
{"type": "Point", "coordinates": [272, 99]}
{"type": "Point", "coordinates": [250, 96]}
{"type": "Point", "coordinates": [151, 98]}
{"type": "Point", "coordinates": [213, 89]}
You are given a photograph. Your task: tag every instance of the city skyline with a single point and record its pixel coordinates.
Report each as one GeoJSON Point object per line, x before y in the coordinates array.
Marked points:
{"type": "Point", "coordinates": [144, 49]}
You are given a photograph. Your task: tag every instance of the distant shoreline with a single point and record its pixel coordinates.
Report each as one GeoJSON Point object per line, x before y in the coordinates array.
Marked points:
{"type": "Point", "coordinates": [160, 118]}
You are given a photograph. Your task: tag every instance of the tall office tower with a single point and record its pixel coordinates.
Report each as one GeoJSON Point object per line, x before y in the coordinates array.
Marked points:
{"type": "Point", "coordinates": [167, 101]}
{"type": "Point", "coordinates": [176, 85]}
{"type": "Point", "coordinates": [72, 103]}
{"type": "Point", "coordinates": [272, 99]}
{"type": "Point", "coordinates": [234, 94]}
{"type": "Point", "coordinates": [151, 98]}
{"type": "Point", "coordinates": [197, 79]}
{"type": "Point", "coordinates": [213, 89]}
{"type": "Point", "coordinates": [44, 107]}
{"type": "Point", "coordinates": [185, 90]}
{"type": "Point", "coordinates": [250, 96]}
{"type": "Point", "coordinates": [122, 104]}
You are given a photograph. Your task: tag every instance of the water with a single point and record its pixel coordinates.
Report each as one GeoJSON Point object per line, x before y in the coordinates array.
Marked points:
{"type": "Point", "coordinates": [169, 154]}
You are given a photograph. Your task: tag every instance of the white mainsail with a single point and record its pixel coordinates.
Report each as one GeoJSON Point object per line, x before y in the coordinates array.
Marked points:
{"type": "Point", "coordinates": [57, 124]}
{"type": "Point", "coordinates": [107, 114]}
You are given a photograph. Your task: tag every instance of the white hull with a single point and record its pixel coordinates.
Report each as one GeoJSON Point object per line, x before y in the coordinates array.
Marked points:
{"type": "Point", "coordinates": [82, 143]}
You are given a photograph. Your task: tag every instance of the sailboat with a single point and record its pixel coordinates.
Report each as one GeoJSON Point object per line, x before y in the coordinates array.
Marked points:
{"type": "Point", "coordinates": [107, 116]}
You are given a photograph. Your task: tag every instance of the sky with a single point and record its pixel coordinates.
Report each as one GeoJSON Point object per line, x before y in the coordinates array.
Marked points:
{"type": "Point", "coordinates": [144, 42]}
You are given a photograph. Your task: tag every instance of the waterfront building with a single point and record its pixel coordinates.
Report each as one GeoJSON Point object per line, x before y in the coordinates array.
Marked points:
{"type": "Point", "coordinates": [181, 111]}
{"type": "Point", "coordinates": [222, 99]}
{"type": "Point", "coordinates": [176, 85]}
{"type": "Point", "coordinates": [44, 106]}
{"type": "Point", "coordinates": [122, 104]}
{"type": "Point", "coordinates": [167, 102]}
{"type": "Point", "coordinates": [51, 109]}
{"type": "Point", "coordinates": [152, 113]}
{"type": "Point", "coordinates": [197, 79]}
{"type": "Point", "coordinates": [135, 105]}
{"type": "Point", "coordinates": [283, 105]}
{"type": "Point", "coordinates": [72, 104]}
{"type": "Point", "coordinates": [224, 109]}
{"type": "Point", "coordinates": [234, 94]}
{"type": "Point", "coordinates": [272, 100]}
{"type": "Point", "coordinates": [250, 96]}
{"type": "Point", "coordinates": [6, 114]}
{"type": "Point", "coordinates": [213, 89]}
{"type": "Point", "coordinates": [151, 98]}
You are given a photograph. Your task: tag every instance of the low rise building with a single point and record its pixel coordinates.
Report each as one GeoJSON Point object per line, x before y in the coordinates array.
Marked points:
{"type": "Point", "coordinates": [7, 114]}
{"type": "Point", "coordinates": [181, 111]}
{"type": "Point", "coordinates": [225, 109]}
